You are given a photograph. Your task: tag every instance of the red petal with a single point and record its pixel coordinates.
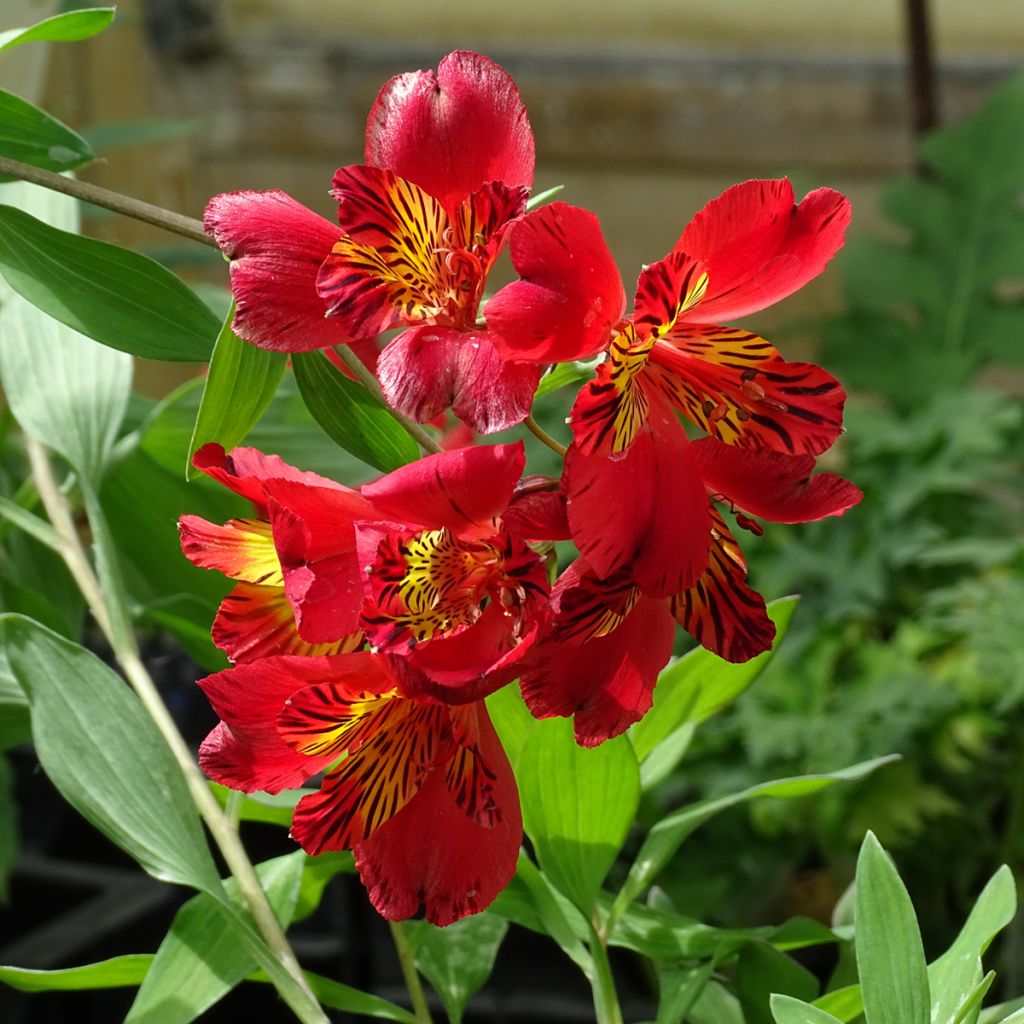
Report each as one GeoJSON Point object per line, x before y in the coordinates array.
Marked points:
{"type": "Point", "coordinates": [738, 388]}
{"type": "Point", "coordinates": [469, 776]}
{"type": "Point", "coordinates": [606, 680]}
{"type": "Point", "coordinates": [244, 469]}
{"type": "Point", "coordinates": [772, 486]}
{"type": "Point", "coordinates": [245, 751]}
{"type": "Point", "coordinates": [276, 247]}
{"type": "Point", "coordinates": [257, 622]}
{"type": "Point", "coordinates": [452, 131]}
{"type": "Point", "coordinates": [431, 854]}
{"type": "Point", "coordinates": [242, 549]}
{"type": "Point", "coordinates": [371, 785]}
{"type": "Point", "coordinates": [645, 508]}
{"type": "Point", "coordinates": [570, 294]}
{"type": "Point", "coordinates": [426, 369]}
{"type": "Point", "coordinates": [666, 290]}
{"type": "Point", "coordinates": [465, 490]}
{"type": "Point", "coordinates": [721, 612]}
{"type": "Point", "coordinates": [759, 247]}
{"type": "Point", "coordinates": [537, 515]}
{"type": "Point", "coordinates": [314, 532]}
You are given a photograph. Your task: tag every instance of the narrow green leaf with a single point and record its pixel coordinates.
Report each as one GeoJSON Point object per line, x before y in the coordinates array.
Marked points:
{"type": "Point", "coordinates": [104, 754]}
{"type": "Point", "coordinates": [336, 996]}
{"type": "Point", "coordinates": [200, 959]}
{"type": "Point", "coordinates": [316, 873]}
{"type": "Point", "coordinates": [1014, 1018]}
{"type": "Point", "coordinates": [970, 1008]}
{"type": "Point", "coordinates": [268, 808]}
{"type": "Point", "coordinates": [788, 1010]}
{"type": "Point", "coordinates": [239, 386]}
{"type": "Point", "coordinates": [457, 960]}
{"type": "Point", "coordinates": [110, 294]}
{"type": "Point", "coordinates": [563, 375]}
{"type": "Point", "coordinates": [578, 805]}
{"type": "Point", "coordinates": [664, 840]}
{"type": "Point", "coordinates": [763, 971]}
{"type": "Point", "coordinates": [34, 137]}
{"type": "Point", "coordinates": [700, 684]}
{"type": "Point", "coordinates": [679, 989]}
{"type": "Point", "coordinates": [61, 28]}
{"type": "Point", "coordinates": [543, 197]}
{"type": "Point", "coordinates": [890, 958]}
{"type": "Point", "coordinates": [846, 1003]}
{"type": "Point", "coordinates": [953, 974]}
{"type": "Point", "coordinates": [350, 416]}
{"type": "Point", "coordinates": [20, 517]}
{"type": "Point", "coordinates": [117, 972]}
{"type": "Point", "coordinates": [511, 718]}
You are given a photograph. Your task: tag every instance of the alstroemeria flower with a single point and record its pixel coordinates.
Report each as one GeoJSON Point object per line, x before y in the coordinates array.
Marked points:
{"type": "Point", "coordinates": [449, 162]}
{"type": "Point", "coordinates": [608, 640]}
{"type": "Point", "coordinates": [746, 250]}
{"type": "Point", "coordinates": [432, 561]}
{"type": "Point", "coordinates": [255, 620]}
{"type": "Point", "coordinates": [421, 792]}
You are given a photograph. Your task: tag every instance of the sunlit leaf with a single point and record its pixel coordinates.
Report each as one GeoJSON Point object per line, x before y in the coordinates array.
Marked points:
{"type": "Point", "coordinates": [117, 972]}
{"type": "Point", "coordinates": [762, 971]}
{"type": "Point", "coordinates": [34, 137]}
{"type": "Point", "coordinates": [110, 294]}
{"type": "Point", "coordinates": [578, 805]}
{"type": "Point", "coordinates": [68, 27]}
{"type": "Point", "coordinates": [788, 1010]}
{"type": "Point", "coordinates": [890, 957]}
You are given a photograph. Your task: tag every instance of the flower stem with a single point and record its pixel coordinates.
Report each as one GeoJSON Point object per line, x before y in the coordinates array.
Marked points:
{"type": "Point", "coordinates": [369, 381]}
{"type": "Point", "coordinates": [606, 999]}
{"type": "Point", "coordinates": [542, 435]}
{"type": "Point", "coordinates": [135, 208]}
{"type": "Point", "coordinates": [125, 651]}
{"type": "Point", "coordinates": [409, 972]}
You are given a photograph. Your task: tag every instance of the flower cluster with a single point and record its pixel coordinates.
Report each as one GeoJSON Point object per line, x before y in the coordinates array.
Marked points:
{"type": "Point", "coordinates": [367, 625]}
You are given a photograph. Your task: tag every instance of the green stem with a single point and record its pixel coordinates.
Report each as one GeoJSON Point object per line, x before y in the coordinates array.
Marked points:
{"type": "Point", "coordinates": [306, 1007]}
{"type": "Point", "coordinates": [542, 435]}
{"type": "Point", "coordinates": [410, 974]}
{"type": "Point", "coordinates": [134, 208]}
{"type": "Point", "coordinates": [606, 999]}
{"type": "Point", "coordinates": [369, 381]}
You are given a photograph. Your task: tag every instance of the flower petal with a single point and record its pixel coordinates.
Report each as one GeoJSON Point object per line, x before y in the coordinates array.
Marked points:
{"type": "Point", "coordinates": [276, 247]}
{"type": "Point", "coordinates": [465, 490]}
{"type": "Point", "coordinates": [257, 622]}
{"type": "Point", "coordinates": [759, 247]}
{"type": "Point", "coordinates": [374, 783]}
{"type": "Point", "coordinates": [537, 515]}
{"type": "Point", "coordinates": [645, 508]}
{"type": "Point", "coordinates": [666, 290]}
{"type": "Point", "coordinates": [569, 296]}
{"type": "Point", "coordinates": [246, 751]}
{"type": "Point", "coordinates": [242, 549]}
{"type": "Point", "coordinates": [772, 486]}
{"type": "Point", "coordinates": [426, 369]}
{"type": "Point", "coordinates": [314, 532]}
{"type": "Point", "coordinates": [737, 387]}
{"type": "Point", "coordinates": [721, 612]}
{"type": "Point", "coordinates": [605, 675]}
{"type": "Point", "coordinates": [454, 130]}
{"type": "Point", "coordinates": [432, 854]}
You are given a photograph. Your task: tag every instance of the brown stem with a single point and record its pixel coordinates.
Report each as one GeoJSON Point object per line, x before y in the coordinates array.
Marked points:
{"type": "Point", "coordinates": [921, 68]}
{"type": "Point", "coordinates": [135, 208]}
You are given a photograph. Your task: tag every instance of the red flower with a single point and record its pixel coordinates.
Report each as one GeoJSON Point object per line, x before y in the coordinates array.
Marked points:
{"type": "Point", "coordinates": [255, 620]}
{"type": "Point", "coordinates": [747, 249]}
{"type": "Point", "coordinates": [421, 792]}
{"type": "Point", "coordinates": [431, 560]}
{"type": "Point", "coordinates": [449, 161]}
{"type": "Point", "coordinates": [608, 640]}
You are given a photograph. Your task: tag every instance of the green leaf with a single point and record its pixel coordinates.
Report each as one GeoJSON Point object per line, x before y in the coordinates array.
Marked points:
{"type": "Point", "coordinates": [890, 957]}
{"type": "Point", "coordinates": [1014, 1018]}
{"type": "Point", "coordinates": [578, 805]}
{"type": "Point", "coordinates": [679, 989]}
{"type": "Point", "coordinates": [970, 1008]}
{"type": "Point", "coordinates": [61, 28]}
{"type": "Point", "coordinates": [336, 996]}
{"type": "Point", "coordinates": [563, 375]}
{"type": "Point", "coordinates": [953, 975]}
{"type": "Point", "coordinates": [268, 808]}
{"type": "Point", "coordinates": [110, 294]}
{"type": "Point", "coordinates": [350, 415]}
{"type": "Point", "coordinates": [8, 826]}
{"type": "Point", "coordinates": [763, 971]}
{"type": "Point", "coordinates": [457, 960]}
{"type": "Point", "coordinates": [844, 1003]}
{"type": "Point", "coordinates": [700, 684]}
{"type": "Point", "coordinates": [20, 517]}
{"type": "Point", "coordinates": [200, 959]}
{"type": "Point", "coordinates": [34, 137]}
{"type": "Point", "coordinates": [543, 197]}
{"type": "Point", "coordinates": [664, 840]}
{"type": "Point", "coordinates": [788, 1010]}
{"type": "Point", "coordinates": [512, 720]}
{"type": "Point", "coordinates": [239, 386]}
{"type": "Point", "coordinates": [316, 873]}
{"type": "Point", "coordinates": [105, 756]}
{"type": "Point", "coordinates": [117, 972]}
